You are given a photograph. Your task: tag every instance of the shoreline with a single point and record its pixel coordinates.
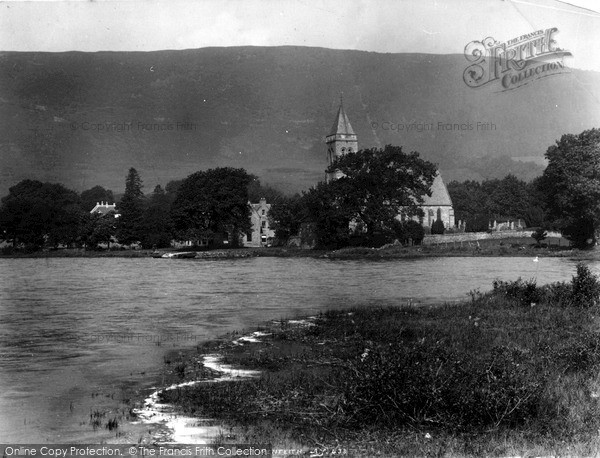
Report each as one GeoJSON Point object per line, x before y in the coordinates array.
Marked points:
{"type": "Point", "coordinates": [204, 364]}
{"type": "Point", "coordinates": [290, 402]}
{"type": "Point", "coordinates": [386, 252]}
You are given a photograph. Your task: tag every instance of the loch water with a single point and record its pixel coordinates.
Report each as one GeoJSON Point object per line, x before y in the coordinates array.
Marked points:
{"type": "Point", "coordinates": [84, 335]}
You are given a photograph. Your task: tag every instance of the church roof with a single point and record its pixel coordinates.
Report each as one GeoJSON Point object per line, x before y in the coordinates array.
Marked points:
{"type": "Point", "coordinates": [439, 193]}
{"type": "Point", "coordinates": [341, 124]}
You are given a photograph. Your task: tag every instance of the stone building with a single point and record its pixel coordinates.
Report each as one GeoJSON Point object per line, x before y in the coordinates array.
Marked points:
{"type": "Point", "coordinates": [261, 234]}
{"type": "Point", "coordinates": [342, 140]}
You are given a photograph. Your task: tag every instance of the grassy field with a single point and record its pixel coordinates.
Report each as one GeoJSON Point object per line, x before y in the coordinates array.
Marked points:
{"type": "Point", "coordinates": [511, 372]}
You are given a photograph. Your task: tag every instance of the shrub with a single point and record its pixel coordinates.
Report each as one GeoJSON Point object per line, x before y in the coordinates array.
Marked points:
{"type": "Point", "coordinates": [558, 293]}
{"type": "Point", "coordinates": [586, 287]}
{"type": "Point", "coordinates": [437, 227]}
{"type": "Point", "coordinates": [407, 232]}
{"type": "Point", "coordinates": [583, 291]}
{"type": "Point", "coordinates": [539, 235]}
{"type": "Point", "coordinates": [415, 232]}
{"type": "Point", "coordinates": [523, 292]}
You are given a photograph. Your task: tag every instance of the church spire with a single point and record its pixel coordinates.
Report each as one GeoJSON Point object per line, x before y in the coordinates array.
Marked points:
{"type": "Point", "coordinates": [341, 139]}
{"type": "Point", "coordinates": [341, 125]}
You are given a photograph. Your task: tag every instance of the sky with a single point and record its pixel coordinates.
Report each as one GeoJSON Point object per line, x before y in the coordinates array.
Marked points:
{"type": "Point", "coordinates": [390, 26]}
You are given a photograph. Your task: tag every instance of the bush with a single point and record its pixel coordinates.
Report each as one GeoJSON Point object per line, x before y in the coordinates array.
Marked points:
{"type": "Point", "coordinates": [415, 232]}
{"type": "Point", "coordinates": [523, 292]}
{"type": "Point", "coordinates": [437, 227]}
{"type": "Point", "coordinates": [539, 235]}
{"type": "Point", "coordinates": [583, 291]}
{"type": "Point", "coordinates": [558, 293]}
{"type": "Point", "coordinates": [408, 232]}
{"type": "Point", "coordinates": [586, 287]}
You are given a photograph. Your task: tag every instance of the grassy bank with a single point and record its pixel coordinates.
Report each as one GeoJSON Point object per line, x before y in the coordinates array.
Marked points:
{"type": "Point", "coordinates": [511, 372]}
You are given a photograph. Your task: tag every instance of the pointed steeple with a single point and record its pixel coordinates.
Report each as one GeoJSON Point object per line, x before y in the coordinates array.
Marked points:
{"type": "Point", "coordinates": [341, 125]}
{"type": "Point", "coordinates": [340, 141]}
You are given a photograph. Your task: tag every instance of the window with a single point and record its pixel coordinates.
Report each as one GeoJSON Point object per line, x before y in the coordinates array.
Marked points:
{"type": "Point", "coordinates": [263, 224]}
{"type": "Point", "coordinates": [249, 236]}
{"type": "Point", "coordinates": [263, 212]}
{"type": "Point", "coordinates": [349, 150]}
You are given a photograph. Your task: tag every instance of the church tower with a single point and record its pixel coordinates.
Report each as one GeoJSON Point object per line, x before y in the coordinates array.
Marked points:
{"type": "Point", "coordinates": [341, 140]}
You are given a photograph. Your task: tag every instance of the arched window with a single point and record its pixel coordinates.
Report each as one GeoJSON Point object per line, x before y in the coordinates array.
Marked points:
{"type": "Point", "coordinates": [349, 150]}
{"type": "Point", "coordinates": [343, 150]}
{"type": "Point", "coordinates": [439, 214]}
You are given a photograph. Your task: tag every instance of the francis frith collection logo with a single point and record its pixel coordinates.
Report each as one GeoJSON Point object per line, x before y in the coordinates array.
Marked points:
{"type": "Point", "coordinates": [516, 62]}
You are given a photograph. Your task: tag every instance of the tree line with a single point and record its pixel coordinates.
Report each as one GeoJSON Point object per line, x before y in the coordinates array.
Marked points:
{"type": "Point", "coordinates": [375, 201]}
{"type": "Point", "coordinates": [379, 185]}
{"type": "Point", "coordinates": [205, 207]}
{"type": "Point", "coordinates": [565, 198]}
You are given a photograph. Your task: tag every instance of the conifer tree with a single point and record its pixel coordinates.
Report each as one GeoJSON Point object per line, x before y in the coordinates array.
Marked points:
{"type": "Point", "coordinates": [131, 209]}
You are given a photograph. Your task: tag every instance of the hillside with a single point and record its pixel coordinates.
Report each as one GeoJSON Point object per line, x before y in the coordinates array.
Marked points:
{"type": "Point", "coordinates": [267, 110]}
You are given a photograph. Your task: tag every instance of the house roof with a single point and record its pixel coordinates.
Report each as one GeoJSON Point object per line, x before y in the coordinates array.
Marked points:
{"type": "Point", "coordinates": [341, 124]}
{"type": "Point", "coordinates": [103, 208]}
{"type": "Point", "coordinates": [439, 193]}
{"type": "Point", "coordinates": [261, 204]}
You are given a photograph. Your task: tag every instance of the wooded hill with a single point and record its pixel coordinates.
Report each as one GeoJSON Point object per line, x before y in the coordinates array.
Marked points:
{"type": "Point", "coordinates": [171, 113]}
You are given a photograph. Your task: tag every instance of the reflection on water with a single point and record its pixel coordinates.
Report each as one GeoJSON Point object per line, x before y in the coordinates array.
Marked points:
{"type": "Point", "coordinates": [76, 335]}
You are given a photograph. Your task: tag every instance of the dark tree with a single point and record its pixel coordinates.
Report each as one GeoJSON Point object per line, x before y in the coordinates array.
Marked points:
{"type": "Point", "coordinates": [97, 228]}
{"type": "Point", "coordinates": [539, 235]}
{"type": "Point", "coordinates": [36, 213]}
{"type": "Point", "coordinates": [408, 232]}
{"type": "Point", "coordinates": [322, 206]}
{"type": "Point", "coordinates": [536, 213]}
{"type": "Point", "coordinates": [131, 209]}
{"type": "Point", "coordinates": [414, 232]}
{"type": "Point", "coordinates": [211, 203]}
{"type": "Point", "coordinates": [378, 184]}
{"type": "Point", "coordinates": [571, 184]}
{"type": "Point", "coordinates": [157, 227]}
{"type": "Point", "coordinates": [286, 216]}
{"type": "Point", "coordinates": [90, 197]}
{"type": "Point", "coordinates": [470, 205]}
{"type": "Point", "coordinates": [508, 198]}
{"type": "Point", "coordinates": [172, 188]}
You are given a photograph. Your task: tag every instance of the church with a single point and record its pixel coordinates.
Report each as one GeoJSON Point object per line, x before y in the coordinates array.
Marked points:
{"type": "Point", "coordinates": [342, 140]}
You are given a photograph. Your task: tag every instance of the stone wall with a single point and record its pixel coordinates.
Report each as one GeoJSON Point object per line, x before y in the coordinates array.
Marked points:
{"type": "Point", "coordinates": [474, 236]}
